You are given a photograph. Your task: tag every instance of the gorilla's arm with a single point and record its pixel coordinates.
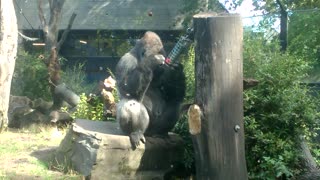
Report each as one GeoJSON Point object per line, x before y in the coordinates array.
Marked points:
{"type": "Point", "coordinates": [171, 82]}
{"type": "Point", "coordinates": [138, 82]}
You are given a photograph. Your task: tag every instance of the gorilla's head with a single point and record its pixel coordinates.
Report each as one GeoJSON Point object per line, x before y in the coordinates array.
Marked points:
{"type": "Point", "coordinates": [149, 45]}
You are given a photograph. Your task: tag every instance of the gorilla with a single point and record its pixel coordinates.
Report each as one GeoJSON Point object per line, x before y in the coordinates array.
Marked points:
{"type": "Point", "coordinates": [150, 90]}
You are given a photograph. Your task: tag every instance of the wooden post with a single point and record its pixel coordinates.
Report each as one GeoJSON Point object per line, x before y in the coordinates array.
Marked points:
{"type": "Point", "coordinates": [219, 142]}
{"type": "Point", "coordinates": [8, 52]}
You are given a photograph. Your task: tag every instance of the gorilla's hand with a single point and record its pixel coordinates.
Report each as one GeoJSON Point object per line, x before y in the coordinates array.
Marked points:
{"type": "Point", "coordinates": [176, 66]}
{"type": "Point", "coordinates": [135, 138]}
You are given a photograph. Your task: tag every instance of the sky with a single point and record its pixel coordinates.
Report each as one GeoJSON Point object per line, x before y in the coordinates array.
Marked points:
{"type": "Point", "coordinates": [250, 17]}
{"type": "Point", "coordinates": [246, 10]}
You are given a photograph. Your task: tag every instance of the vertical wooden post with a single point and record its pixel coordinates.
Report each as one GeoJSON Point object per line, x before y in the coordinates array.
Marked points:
{"type": "Point", "coordinates": [219, 145]}
{"type": "Point", "coordinates": [8, 52]}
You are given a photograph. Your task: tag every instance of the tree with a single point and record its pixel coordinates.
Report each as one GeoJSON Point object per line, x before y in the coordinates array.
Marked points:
{"type": "Point", "coordinates": [52, 44]}
{"type": "Point", "coordinates": [8, 51]}
{"type": "Point", "coordinates": [191, 7]}
{"type": "Point", "coordinates": [276, 7]}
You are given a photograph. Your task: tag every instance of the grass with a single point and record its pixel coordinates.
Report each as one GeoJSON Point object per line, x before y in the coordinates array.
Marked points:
{"type": "Point", "coordinates": [27, 154]}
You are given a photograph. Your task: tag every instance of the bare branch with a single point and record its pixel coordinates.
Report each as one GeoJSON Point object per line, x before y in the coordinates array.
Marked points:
{"type": "Point", "coordinates": [41, 15]}
{"type": "Point", "coordinates": [26, 37]}
{"type": "Point", "coordinates": [66, 32]}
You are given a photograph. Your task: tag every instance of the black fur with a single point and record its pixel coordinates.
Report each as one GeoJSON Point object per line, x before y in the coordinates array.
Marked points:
{"type": "Point", "coordinates": [150, 92]}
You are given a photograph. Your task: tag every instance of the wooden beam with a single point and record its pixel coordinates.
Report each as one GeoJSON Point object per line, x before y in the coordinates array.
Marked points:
{"type": "Point", "coordinates": [219, 147]}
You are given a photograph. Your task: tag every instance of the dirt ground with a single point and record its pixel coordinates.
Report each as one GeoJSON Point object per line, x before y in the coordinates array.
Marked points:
{"type": "Point", "coordinates": [28, 155]}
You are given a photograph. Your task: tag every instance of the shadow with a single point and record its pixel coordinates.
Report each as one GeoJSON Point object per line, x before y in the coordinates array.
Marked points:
{"type": "Point", "coordinates": [44, 155]}
{"type": "Point", "coordinates": [162, 158]}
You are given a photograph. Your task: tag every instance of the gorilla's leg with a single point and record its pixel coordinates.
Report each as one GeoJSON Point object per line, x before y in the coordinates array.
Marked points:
{"type": "Point", "coordinates": [162, 122]}
{"type": "Point", "coordinates": [134, 120]}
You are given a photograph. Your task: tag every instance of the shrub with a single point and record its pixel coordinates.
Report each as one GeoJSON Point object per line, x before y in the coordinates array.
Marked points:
{"type": "Point", "coordinates": [30, 77]}
{"type": "Point", "coordinates": [89, 108]}
{"type": "Point", "coordinates": [277, 111]}
{"type": "Point", "coordinates": [75, 78]}
{"type": "Point", "coordinates": [182, 127]}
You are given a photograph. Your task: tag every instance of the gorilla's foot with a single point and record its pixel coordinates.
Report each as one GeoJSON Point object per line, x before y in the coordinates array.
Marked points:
{"type": "Point", "coordinates": [135, 138]}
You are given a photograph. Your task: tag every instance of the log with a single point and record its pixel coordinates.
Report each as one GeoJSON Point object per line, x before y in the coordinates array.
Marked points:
{"type": "Point", "coordinates": [219, 143]}
{"type": "Point", "coordinates": [100, 150]}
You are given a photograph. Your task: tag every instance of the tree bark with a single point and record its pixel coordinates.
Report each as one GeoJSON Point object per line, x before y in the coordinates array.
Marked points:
{"type": "Point", "coordinates": [283, 27]}
{"type": "Point", "coordinates": [219, 140]}
{"type": "Point", "coordinates": [8, 51]}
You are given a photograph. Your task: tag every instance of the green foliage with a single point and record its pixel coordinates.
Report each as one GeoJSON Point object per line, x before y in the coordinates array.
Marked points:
{"type": "Point", "coordinates": [191, 7]}
{"type": "Point", "coordinates": [277, 111]}
{"type": "Point", "coordinates": [75, 78]}
{"type": "Point", "coordinates": [188, 69]}
{"type": "Point", "coordinates": [30, 77]}
{"type": "Point", "coordinates": [182, 126]}
{"type": "Point", "coordinates": [304, 35]}
{"type": "Point", "coordinates": [271, 6]}
{"type": "Point", "coordinates": [89, 108]}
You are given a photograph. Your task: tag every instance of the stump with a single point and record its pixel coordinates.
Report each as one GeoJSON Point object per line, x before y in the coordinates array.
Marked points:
{"type": "Point", "coordinates": [100, 150]}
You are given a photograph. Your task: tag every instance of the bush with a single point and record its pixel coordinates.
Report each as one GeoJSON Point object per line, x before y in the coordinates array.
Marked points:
{"type": "Point", "coordinates": [30, 77]}
{"type": "Point", "coordinates": [75, 78]}
{"type": "Point", "coordinates": [89, 108]}
{"type": "Point", "coordinates": [277, 111]}
{"type": "Point", "coordinates": [182, 127]}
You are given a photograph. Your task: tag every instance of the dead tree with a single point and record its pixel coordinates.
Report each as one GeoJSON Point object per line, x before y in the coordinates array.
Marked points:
{"type": "Point", "coordinates": [8, 51]}
{"type": "Point", "coordinates": [216, 119]}
{"type": "Point", "coordinates": [52, 44]}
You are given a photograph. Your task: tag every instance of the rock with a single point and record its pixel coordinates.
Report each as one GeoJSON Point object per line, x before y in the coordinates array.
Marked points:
{"type": "Point", "coordinates": [24, 113]}
{"type": "Point", "coordinates": [100, 150]}
{"type": "Point", "coordinates": [18, 103]}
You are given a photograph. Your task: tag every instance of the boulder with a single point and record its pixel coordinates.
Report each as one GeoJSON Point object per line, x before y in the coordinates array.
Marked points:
{"type": "Point", "coordinates": [100, 150]}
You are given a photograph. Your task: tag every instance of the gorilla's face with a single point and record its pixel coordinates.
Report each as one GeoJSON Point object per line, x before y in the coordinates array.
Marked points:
{"type": "Point", "coordinates": [153, 61]}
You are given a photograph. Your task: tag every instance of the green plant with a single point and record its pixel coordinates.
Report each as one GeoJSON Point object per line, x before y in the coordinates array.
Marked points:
{"type": "Point", "coordinates": [30, 77]}
{"type": "Point", "coordinates": [277, 111]}
{"type": "Point", "coordinates": [89, 108]}
{"type": "Point", "coordinates": [182, 127]}
{"type": "Point", "coordinates": [75, 78]}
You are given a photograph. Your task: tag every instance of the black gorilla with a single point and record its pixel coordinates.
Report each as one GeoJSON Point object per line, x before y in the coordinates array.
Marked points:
{"type": "Point", "coordinates": [151, 92]}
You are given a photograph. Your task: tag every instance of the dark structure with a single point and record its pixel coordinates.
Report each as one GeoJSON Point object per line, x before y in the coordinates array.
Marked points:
{"type": "Point", "coordinates": [103, 30]}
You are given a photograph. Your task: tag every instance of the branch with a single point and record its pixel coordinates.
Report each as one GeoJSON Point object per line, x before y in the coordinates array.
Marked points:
{"type": "Point", "coordinates": [27, 38]}
{"type": "Point", "coordinates": [282, 9]}
{"type": "Point", "coordinates": [41, 17]}
{"type": "Point", "coordinates": [66, 32]}
{"type": "Point", "coordinates": [51, 5]}
{"type": "Point", "coordinates": [249, 83]}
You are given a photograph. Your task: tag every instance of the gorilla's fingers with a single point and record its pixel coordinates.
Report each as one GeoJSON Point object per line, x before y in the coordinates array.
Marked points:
{"type": "Point", "coordinates": [135, 138]}
{"type": "Point", "coordinates": [143, 139]}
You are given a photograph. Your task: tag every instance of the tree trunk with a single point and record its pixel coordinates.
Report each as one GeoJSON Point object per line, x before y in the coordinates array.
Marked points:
{"type": "Point", "coordinates": [218, 135]}
{"type": "Point", "coordinates": [53, 45]}
{"type": "Point", "coordinates": [8, 51]}
{"type": "Point", "coordinates": [283, 27]}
